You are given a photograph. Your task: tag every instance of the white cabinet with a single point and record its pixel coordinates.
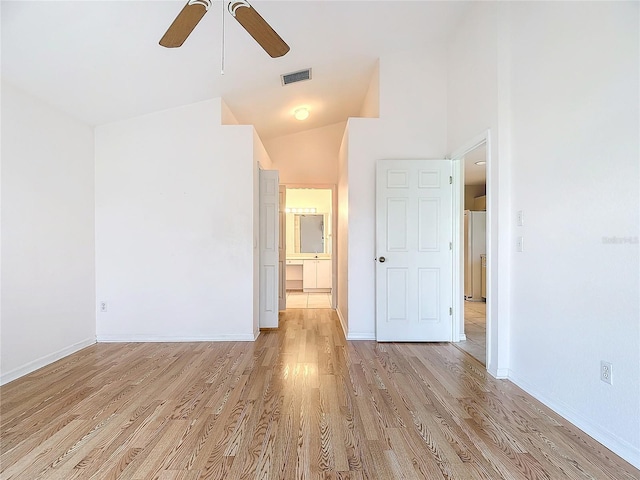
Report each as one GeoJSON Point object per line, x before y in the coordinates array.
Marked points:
{"type": "Point", "coordinates": [323, 274]}
{"type": "Point", "coordinates": [316, 275]}
{"type": "Point", "coordinates": [294, 274]}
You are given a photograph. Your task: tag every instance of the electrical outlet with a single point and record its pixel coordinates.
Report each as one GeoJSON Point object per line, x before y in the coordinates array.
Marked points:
{"type": "Point", "coordinates": [520, 218]}
{"type": "Point", "coordinates": [520, 244]}
{"type": "Point", "coordinates": [103, 307]}
{"type": "Point", "coordinates": [606, 372]}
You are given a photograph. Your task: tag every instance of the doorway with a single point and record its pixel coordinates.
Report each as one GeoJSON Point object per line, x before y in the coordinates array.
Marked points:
{"type": "Point", "coordinates": [309, 246]}
{"type": "Point", "coordinates": [473, 253]}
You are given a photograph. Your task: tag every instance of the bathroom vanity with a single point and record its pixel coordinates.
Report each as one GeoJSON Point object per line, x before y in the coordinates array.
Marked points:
{"type": "Point", "coordinates": [309, 274]}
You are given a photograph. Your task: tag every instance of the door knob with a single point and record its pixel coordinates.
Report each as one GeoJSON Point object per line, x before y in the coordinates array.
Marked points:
{"type": "Point", "coordinates": [381, 259]}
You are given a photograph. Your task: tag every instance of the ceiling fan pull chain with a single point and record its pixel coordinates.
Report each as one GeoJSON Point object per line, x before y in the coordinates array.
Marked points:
{"type": "Point", "coordinates": [223, 45]}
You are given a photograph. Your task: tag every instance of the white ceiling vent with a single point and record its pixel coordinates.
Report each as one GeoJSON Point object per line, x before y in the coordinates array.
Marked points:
{"type": "Point", "coordinates": [294, 77]}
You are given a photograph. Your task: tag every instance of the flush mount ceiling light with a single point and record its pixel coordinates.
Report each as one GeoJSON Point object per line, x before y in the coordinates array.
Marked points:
{"type": "Point", "coordinates": [481, 162]}
{"type": "Point", "coordinates": [301, 113]}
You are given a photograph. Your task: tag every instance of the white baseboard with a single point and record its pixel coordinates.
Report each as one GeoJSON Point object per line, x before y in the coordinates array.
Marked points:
{"type": "Point", "coordinates": [241, 337]}
{"type": "Point", "coordinates": [462, 337]}
{"type": "Point", "coordinates": [499, 373]}
{"type": "Point", "coordinates": [617, 445]}
{"type": "Point", "coordinates": [44, 361]}
{"type": "Point", "coordinates": [361, 336]}
{"type": "Point", "coordinates": [353, 336]}
{"type": "Point", "coordinates": [342, 322]}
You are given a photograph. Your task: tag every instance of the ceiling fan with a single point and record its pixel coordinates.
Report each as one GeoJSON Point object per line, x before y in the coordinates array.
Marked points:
{"type": "Point", "coordinates": [241, 10]}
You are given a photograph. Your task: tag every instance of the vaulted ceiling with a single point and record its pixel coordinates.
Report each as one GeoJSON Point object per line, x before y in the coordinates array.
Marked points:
{"type": "Point", "coordinates": [100, 61]}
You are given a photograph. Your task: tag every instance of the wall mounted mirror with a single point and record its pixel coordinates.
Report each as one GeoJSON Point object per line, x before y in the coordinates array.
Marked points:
{"type": "Point", "coordinates": [311, 232]}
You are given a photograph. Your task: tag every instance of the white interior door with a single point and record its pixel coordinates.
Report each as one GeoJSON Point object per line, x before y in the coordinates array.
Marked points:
{"type": "Point", "coordinates": [269, 248]}
{"type": "Point", "coordinates": [282, 248]}
{"type": "Point", "coordinates": [414, 261]}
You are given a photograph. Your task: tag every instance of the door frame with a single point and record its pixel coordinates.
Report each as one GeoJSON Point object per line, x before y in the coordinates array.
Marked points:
{"type": "Point", "coordinates": [334, 231]}
{"type": "Point", "coordinates": [458, 251]}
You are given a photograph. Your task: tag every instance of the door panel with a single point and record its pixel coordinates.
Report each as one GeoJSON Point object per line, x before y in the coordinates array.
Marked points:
{"type": "Point", "coordinates": [397, 294]}
{"type": "Point", "coordinates": [397, 224]}
{"type": "Point", "coordinates": [413, 234]}
{"type": "Point", "coordinates": [269, 246]}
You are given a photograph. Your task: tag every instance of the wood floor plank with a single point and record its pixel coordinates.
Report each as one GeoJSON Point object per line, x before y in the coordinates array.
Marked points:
{"type": "Point", "coordinates": [299, 403]}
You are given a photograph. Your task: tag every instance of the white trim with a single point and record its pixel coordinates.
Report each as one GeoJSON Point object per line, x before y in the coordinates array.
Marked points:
{"type": "Point", "coordinates": [141, 338]}
{"type": "Point", "coordinates": [462, 337]}
{"type": "Point", "coordinates": [361, 336]}
{"type": "Point", "coordinates": [46, 360]}
{"type": "Point", "coordinates": [614, 443]}
{"type": "Point", "coordinates": [500, 373]}
{"type": "Point", "coordinates": [457, 156]}
{"type": "Point", "coordinates": [472, 144]}
{"type": "Point", "coordinates": [457, 300]}
{"type": "Point", "coordinates": [342, 323]}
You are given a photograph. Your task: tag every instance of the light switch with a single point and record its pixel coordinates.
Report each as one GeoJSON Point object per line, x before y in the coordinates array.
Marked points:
{"type": "Point", "coordinates": [520, 244]}
{"type": "Point", "coordinates": [520, 218]}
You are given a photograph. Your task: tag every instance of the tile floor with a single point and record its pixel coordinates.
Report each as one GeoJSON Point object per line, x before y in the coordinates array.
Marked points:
{"type": "Point", "coordinates": [297, 299]}
{"type": "Point", "coordinates": [475, 327]}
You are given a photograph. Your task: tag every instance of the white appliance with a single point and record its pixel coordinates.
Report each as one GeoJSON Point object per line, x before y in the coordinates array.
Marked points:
{"type": "Point", "coordinates": [475, 243]}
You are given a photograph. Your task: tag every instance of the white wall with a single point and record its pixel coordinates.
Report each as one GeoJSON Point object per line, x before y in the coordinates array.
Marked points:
{"type": "Point", "coordinates": [48, 273]}
{"type": "Point", "coordinates": [175, 227]}
{"type": "Point", "coordinates": [309, 157]}
{"type": "Point", "coordinates": [575, 147]}
{"type": "Point", "coordinates": [318, 198]}
{"type": "Point", "coordinates": [412, 124]}
{"type": "Point", "coordinates": [371, 104]}
{"type": "Point", "coordinates": [476, 105]}
{"type": "Point", "coordinates": [262, 161]}
{"type": "Point", "coordinates": [557, 85]}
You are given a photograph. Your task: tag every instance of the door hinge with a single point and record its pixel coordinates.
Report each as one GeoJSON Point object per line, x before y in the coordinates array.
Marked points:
{"type": "Point", "coordinates": [450, 180]}
{"type": "Point", "coordinates": [450, 245]}
{"type": "Point", "coordinates": [450, 310]}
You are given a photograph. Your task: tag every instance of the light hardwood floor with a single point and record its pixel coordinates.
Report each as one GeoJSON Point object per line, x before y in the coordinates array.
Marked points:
{"type": "Point", "coordinates": [475, 329]}
{"type": "Point", "coordinates": [298, 403]}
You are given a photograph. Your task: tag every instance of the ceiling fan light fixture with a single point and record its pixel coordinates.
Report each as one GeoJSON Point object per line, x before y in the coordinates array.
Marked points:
{"type": "Point", "coordinates": [301, 113]}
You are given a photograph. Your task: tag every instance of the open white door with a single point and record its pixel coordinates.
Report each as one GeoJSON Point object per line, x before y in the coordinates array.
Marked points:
{"type": "Point", "coordinates": [269, 246]}
{"type": "Point", "coordinates": [413, 246]}
{"type": "Point", "coordinates": [282, 249]}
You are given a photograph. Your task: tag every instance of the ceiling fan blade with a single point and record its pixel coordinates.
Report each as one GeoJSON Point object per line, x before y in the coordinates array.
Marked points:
{"type": "Point", "coordinates": [184, 23]}
{"type": "Point", "coordinates": [258, 28]}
